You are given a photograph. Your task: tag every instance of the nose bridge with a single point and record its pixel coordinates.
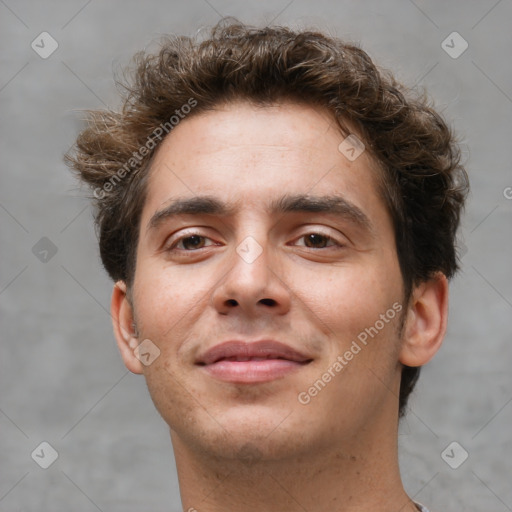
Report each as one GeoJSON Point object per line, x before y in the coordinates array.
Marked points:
{"type": "Point", "coordinates": [252, 239]}
{"type": "Point", "coordinates": [251, 281]}
{"type": "Point", "coordinates": [249, 250]}
{"type": "Point", "coordinates": [250, 263]}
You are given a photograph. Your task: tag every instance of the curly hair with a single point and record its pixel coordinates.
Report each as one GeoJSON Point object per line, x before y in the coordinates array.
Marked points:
{"type": "Point", "coordinates": [422, 180]}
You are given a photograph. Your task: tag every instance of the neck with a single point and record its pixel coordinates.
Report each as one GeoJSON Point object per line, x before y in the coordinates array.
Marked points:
{"type": "Point", "coordinates": [354, 476]}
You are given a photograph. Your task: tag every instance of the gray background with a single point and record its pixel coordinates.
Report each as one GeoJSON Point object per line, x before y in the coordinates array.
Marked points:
{"type": "Point", "coordinates": [62, 380]}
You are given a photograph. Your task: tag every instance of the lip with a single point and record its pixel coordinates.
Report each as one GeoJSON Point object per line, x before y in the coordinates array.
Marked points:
{"type": "Point", "coordinates": [239, 361]}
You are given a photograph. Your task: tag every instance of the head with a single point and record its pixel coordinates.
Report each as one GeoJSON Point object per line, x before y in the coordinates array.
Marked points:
{"type": "Point", "coordinates": [255, 119]}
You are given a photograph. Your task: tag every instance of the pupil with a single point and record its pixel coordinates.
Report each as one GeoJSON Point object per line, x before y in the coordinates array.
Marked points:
{"type": "Point", "coordinates": [315, 238]}
{"type": "Point", "coordinates": [196, 239]}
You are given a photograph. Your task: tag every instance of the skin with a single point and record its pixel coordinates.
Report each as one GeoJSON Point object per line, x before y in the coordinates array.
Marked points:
{"type": "Point", "coordinates": [241, 446]}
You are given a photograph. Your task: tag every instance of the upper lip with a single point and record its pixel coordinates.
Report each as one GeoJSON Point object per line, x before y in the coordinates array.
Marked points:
{"type": "Point", "coordinates": [265, 348]}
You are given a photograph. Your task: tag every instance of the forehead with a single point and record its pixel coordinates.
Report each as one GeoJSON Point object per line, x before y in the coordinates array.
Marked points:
{"type": "Point", "coordinates": [252, 155]}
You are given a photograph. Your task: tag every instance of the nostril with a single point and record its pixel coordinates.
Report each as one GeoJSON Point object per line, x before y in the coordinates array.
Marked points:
{"type": "Point", "coordinates": [268, 302]}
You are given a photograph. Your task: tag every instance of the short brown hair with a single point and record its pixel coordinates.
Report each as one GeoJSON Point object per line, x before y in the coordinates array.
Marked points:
{"type": "Point", "coordinates": [423, 183]}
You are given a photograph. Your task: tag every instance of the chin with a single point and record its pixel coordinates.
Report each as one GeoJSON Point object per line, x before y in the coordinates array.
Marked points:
{"type": "Point", "coordinates": [249, 434]}
{"type": "Point", "coordinates": [253, 447]}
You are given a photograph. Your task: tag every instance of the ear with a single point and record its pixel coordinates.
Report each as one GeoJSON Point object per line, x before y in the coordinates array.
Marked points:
{"type": "Point", "coordinates": [122, 320]}
{"type": "Point", "coordinates": [425, 324]}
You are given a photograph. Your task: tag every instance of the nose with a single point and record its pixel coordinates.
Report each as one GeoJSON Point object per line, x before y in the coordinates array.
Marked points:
{"type": "Point", "coordinates": [254, 284]}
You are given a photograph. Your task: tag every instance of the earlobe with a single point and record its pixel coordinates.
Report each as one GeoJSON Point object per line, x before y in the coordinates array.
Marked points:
{"type": "Point", "coordinates": [426, 320]}
{"type": "Point", "coordinates": [123, 323]}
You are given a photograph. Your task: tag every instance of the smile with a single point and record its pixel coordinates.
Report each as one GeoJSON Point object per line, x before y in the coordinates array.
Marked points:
{"type": "Point", "coordinates": [251, 369]}
{"type": "Point", "coordinates": [251, 362]}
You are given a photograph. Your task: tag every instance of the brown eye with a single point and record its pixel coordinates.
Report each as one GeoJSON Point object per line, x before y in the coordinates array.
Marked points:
{"type": "Point", "coordinates": [193, 242]}
{"type": "Point", "coordinates": [318, 241]}
{"type": "Point", "coordinates": [315, 240]}
{"type": "Point", "coordinates": [190, 243]}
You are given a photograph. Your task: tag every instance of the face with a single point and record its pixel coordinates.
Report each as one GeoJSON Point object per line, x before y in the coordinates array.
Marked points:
{"type": "Point", "coordinates": [267, 257]}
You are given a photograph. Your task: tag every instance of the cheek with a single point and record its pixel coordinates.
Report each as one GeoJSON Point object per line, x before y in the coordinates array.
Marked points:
{"type": "Point", "coordinates": [165, 298]}
{"type": "Point", "coordinates": [359, 308]}
{"type": "Point", "coordinates": [347, 298]}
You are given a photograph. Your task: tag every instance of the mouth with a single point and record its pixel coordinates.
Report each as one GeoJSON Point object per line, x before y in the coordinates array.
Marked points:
{"type": "Point", "coordinates": [251, 362]}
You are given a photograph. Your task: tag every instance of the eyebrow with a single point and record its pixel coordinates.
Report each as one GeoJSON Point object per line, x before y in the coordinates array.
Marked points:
{"type": "Point", "coordinates": [301, 203]}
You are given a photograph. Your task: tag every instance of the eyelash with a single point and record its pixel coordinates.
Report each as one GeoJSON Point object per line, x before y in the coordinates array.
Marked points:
{"type": "Point", "coordinates": [173, 248]}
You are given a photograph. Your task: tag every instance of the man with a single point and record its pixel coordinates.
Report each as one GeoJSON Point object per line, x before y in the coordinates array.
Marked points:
{"type": "Point", "coordinates": [279, 218]}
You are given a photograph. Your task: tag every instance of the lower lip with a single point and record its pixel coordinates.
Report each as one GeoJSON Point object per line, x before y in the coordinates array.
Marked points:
{"type": "Point", "coordinates": [252, 371]}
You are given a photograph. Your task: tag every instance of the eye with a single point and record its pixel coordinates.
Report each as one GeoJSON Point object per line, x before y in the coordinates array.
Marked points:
{"type": "Point", "coordinates": [318, 241]}
{"type": "Point", "coordinates": [190, 242]}
{"type": "Point", "coordinates": [193, 241]}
